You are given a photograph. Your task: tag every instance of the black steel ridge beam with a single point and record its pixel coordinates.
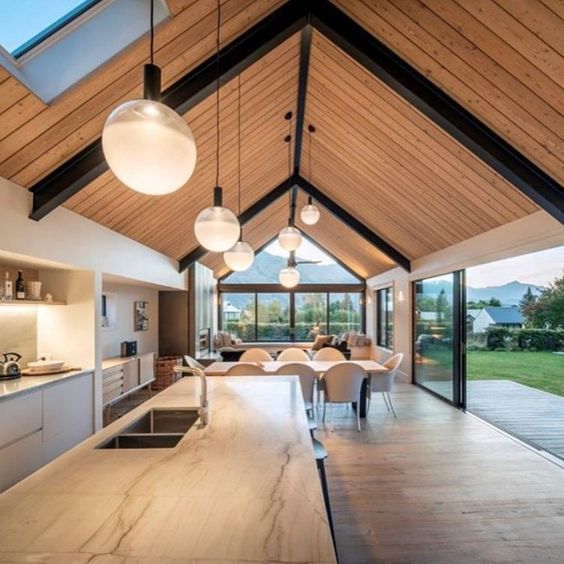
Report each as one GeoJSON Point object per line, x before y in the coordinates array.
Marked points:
{"type": "Point", "coordinates": [246, 216]}
{"type": "Point", "coordinates": [356, 225]}
{"type": "Point", "coordinates": [448, 114]}
{"type": "Point", "coordinates": [187, 92]}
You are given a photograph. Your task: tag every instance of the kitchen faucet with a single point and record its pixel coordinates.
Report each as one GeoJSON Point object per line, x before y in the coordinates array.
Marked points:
{"type": "Point", "coordinates": [203, 409]}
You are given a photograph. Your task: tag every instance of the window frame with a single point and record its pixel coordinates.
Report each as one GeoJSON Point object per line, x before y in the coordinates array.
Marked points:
{"type": "Point", "coordinates": [383, 297]}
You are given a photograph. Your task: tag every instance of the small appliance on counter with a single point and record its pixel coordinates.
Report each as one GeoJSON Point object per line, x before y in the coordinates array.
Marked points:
{"type": "Point", "coordinates": [10, 366]}
{"type": "Point", "coordinates": [128, 348]}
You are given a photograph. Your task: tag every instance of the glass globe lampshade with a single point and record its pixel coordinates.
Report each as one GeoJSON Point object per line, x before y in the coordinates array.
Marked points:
{"type": "Point", "coordinates": [289, 277]}
{"type": "Point", "coordinates": [149, 147]}
{"type": "Point", "coordinates": [239, 257]}
{"type": "Point", "coordinates": [217, 229]}
{"type": "Point", "coordinates": [290, 238]}
{"type": "Point", "coordinates": [310, 214]}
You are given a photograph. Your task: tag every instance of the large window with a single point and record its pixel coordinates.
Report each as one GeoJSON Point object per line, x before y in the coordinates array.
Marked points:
{"type": "Point", "coordinates": [290, 316]}
{"type": "Point", "coordinates": [385, 318]}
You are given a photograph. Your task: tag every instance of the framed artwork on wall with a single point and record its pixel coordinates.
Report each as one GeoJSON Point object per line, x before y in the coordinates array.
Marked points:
{"type": "Point", "coordinates": [141, 316]}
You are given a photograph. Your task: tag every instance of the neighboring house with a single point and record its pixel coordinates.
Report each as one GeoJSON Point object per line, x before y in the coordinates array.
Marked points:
{"type": "Point", "coordinates": [509, 317]}
{"type": "Point", "coordinates": [471, 315]}
{"type": "Point", "coordinates": [231, 313]}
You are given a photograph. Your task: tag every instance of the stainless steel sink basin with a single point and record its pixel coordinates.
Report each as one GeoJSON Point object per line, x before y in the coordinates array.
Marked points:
{"type": "Point", "coordinates": [157, 428]}
{"type": "Point", "coordinates": [142, 441]}
{"type": "Point", "coordinates": [163, 421]}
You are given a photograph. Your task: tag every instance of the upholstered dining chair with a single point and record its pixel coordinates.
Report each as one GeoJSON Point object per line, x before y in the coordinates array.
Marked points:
{"type": "Point", "coordinates": [307, 376]}
{"type": "Point", "coordinates": [293, 354]}
{"type": "Point", "coordinates": [255, 355]}
{"type": "Point", "coordinates": [343, 383]}
{"type": "Point", "coordinates": [246, 369]}
{"type": "Point", "coordinates": [384, 383]}
{"type": "Point", "coordinates": [329, 353]}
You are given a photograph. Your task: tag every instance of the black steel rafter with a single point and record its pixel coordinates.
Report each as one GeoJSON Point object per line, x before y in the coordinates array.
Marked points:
{"type": "Point", "coordinates": [438, 106]}
{"type": "Point", "coordinates": [354, 224]}
{"type": "Point", "coordinates": [81, 169]}
{"type": "Point", "coordinates": [244, 218]}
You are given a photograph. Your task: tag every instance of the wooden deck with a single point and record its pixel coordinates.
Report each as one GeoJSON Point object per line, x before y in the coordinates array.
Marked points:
{"type": "Point", "coordinates": [438, 486]}
{"type": "Point", "coordinates": [534, 416]}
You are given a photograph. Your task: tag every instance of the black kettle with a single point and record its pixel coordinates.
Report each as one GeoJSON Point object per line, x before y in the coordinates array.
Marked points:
{"type": "Point", "coordinates": [10, 366]}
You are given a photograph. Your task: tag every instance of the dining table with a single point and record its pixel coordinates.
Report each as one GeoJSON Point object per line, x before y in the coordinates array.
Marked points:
{"type": "Point", "coordinates": [370, 367]}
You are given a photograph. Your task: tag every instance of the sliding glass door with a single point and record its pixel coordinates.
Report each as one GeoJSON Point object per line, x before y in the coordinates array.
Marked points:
{"type": "Point", "coordinates": [437, 335]}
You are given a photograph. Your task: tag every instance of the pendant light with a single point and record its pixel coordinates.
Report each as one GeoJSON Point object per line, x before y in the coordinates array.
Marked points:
{"type": "Point", "coordinates": [289, 277]}
{"type": "Point", "coordinates": [290, 238]}
{"type": "Point", "coordinates": [147, 145]}
{"type": "Point", "coordinates": [217, 228]}
{"type": "Point", "coordinates": [241, 255]}
{"type": "Point", "coordinates": [310, 213]}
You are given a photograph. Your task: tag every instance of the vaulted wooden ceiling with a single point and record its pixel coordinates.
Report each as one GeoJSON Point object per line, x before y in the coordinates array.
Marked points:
{"type": "Point", "coordinates": [373, 153]}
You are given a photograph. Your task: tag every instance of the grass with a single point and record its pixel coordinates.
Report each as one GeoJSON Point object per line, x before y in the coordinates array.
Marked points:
{"type": "Point", "coordinates": [540, 370]}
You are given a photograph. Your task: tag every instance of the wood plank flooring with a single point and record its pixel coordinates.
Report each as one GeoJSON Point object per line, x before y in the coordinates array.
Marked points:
{"type": "Point", "coordinates": [438, 486]}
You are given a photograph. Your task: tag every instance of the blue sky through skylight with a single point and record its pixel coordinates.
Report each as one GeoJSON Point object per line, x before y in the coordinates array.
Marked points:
{"type": "Point", "coordinates": [25, 23]}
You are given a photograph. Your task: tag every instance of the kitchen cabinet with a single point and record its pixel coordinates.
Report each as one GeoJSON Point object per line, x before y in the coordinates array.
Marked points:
{"type": "Point", "coordinates": [20, 416]}
{"type": "Point", "coordinates": [122, 376]}
{"type": "Point", "coordinates": [130, 375]}
{"type": "Point", "coordinates": [20, 459]}
{"type": "Point", "coordinates": [146, 368]}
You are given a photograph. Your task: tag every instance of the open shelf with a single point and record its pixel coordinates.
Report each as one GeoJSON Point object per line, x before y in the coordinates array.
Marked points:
{"type": "Point", "coordinates": [30, 302]}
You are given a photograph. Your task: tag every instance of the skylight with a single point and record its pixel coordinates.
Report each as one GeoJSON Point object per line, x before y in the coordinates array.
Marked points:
{"type": "Point", "coordinates": [27, 23]}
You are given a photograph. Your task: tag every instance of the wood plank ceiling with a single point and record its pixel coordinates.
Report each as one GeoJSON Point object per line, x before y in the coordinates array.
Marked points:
{"type": "Point", "coordinates": [372, 153]}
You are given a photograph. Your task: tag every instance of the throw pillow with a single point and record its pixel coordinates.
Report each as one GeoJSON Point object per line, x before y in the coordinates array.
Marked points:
{"type": "Point", "coordinates": [351, 341]}
{"type": "Point", "coordinates": [320, 340]}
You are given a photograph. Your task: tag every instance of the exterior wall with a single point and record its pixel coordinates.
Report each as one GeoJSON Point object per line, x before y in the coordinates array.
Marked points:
{"type": "Point", "coordinates": [482, 321]}
{"type": "Point", "coordinates": [535, 232]}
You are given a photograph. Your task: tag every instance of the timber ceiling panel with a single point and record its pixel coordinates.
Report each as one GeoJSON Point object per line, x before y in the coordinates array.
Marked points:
{"type": "Point", "coordinates": [258, 232]}
{"type": "Point", "coordinates": [343, 243]}
{"type": "Point", "coordinates": [165, 223]}
{"type": "Point", "coordinates": [36, 138]}
{"type": "Point", "coordinates": [391, 167]}
{"type": "Point", "coordinates": [503, 61]}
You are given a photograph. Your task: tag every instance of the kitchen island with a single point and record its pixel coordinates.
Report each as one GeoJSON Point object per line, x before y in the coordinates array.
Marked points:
{"type": "Point", "coordinates": [244, 488]}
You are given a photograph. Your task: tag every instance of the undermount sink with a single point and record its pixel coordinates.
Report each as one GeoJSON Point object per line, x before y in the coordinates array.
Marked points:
{"type": "Point", "coordinates": [157, 428]}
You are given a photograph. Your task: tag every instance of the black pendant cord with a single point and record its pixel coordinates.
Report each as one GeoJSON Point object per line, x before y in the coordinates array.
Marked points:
{"type": "Point", "coordinates": [152, 32]}
{"type": "Point", "coordinates": [217, 149]}
{"type": "Point", "coordinates": [239, 150]}
{"type": "Point", "coordinates": [151, 72]}
{"type": "Point", "coordinates": [289, 141]}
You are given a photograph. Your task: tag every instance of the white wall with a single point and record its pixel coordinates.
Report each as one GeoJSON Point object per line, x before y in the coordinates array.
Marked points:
{"type": "Point", "coordinates": [123, 330]}
{"type": "Point", "coordinates": [535, 232]}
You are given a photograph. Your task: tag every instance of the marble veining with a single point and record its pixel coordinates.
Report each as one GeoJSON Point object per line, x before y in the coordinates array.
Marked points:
{"type": "Point", "coordinates": [244, 488]}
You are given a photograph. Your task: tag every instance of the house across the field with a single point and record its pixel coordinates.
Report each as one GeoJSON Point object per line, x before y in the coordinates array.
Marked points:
{"type": "Point", "coordinates": [509, 317]}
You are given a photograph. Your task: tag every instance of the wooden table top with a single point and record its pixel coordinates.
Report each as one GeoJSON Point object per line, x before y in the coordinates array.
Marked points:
{"type": "Point", "coordinates": [320, 366]}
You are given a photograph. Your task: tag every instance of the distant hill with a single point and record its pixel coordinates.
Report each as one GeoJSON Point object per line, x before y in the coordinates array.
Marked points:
{"type": "Point", "coordinates": [266, 267]}
{"type": "Point", "coordinates": [508, 294]}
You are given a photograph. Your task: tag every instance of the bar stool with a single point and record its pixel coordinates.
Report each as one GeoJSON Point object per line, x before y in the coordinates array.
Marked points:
{"type": "Point", "coordinates": [320, 456]}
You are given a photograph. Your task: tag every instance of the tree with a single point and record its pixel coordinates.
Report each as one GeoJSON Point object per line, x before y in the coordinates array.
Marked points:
{"type": "Point", "coordinates": [481, 304]}
{"type": "Point", "coordinates": [441, 306]}
{"type": "Point", "coordinates": [527, 305]}
{"type": "Point", "coordinates": [548, 310]}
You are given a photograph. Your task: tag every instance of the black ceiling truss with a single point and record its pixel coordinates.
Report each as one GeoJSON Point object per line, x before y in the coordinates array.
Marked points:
{"type": "Point", "coordinates": [354, 224]}
{"type": "Point", "coordinates": [365, 49]}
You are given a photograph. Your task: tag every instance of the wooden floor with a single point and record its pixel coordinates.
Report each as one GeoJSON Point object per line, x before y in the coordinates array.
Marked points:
{"type": "Point", "coordinates": [534, 416]}
{"type": "Point", "coordinates": [439, 486]}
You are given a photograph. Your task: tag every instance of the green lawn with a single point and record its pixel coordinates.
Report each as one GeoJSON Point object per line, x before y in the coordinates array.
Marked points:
{"type": "Point", "coordinates": [541, 370]}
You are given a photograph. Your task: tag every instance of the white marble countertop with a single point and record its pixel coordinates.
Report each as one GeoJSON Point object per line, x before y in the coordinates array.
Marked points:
{"type": "Point", "coordinates": [242, 489]}
{"type": "Point", "coordinates": [11, 388]}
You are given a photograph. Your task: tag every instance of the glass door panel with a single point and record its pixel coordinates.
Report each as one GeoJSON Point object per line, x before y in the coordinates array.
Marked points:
{"type": "Point", "coordinates": [434, 354]}
{"type": "Point", "coordinates": [273, 317]}
{"type": "Point", "coordinates": [310, 315]}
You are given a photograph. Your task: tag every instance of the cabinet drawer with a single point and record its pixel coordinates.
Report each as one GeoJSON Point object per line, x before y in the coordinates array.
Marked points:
{"type": "Point", "coordinates": [19, 417]}
{"type": "Point", "coordinates": [19, 459]}
{"type": "Point", "coordinates": [109, 379]}
{"type": "Point", "coordinates": [111, 393]}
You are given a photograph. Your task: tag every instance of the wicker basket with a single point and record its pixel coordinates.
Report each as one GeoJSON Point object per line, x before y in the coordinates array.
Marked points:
{"type": "Point", "coordinates": [164, 372]}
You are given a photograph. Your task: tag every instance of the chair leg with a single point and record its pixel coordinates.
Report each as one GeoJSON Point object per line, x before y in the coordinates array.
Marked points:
{"type": "Point", "coordinates": [358, 418]}
{"type": "Point", "coordinates": [325, 489]}
{"type": "Point", "coordinates": [386, 401]}
{"type": "Point", "coordinates": [391, 404]}
{"type": "Point", "coordinates": [331, 415]}
{"type": "Point", "coordinates": [324, 410]}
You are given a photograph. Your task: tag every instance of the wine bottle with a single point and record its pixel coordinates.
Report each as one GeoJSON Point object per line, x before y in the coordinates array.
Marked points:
{"type": "Point", "coordinates": [8, 289]}
{"type": "Point", "coordinates": [20, 286]}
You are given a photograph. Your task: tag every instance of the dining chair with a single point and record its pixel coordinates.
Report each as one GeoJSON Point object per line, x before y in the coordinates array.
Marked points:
{"type": "Point", "coordinates": [329, 353]}
{"type": "Point", "coordinates": [255, 355]}
{"type": "Point", "coordinates": [246, 369]}
{"type": "Point", "coordinates": [384, 383]}
{"type": "Point", "coordinates": [293, 354]}
{"type": "Point", "coordinates": [343, 383]}
{"type": "Point", "coordinates": [308, 377]}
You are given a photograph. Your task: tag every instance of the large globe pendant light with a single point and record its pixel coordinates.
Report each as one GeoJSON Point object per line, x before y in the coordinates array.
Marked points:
{"type": "Point", "coordinates": [289, 277]}
{"type": "Point", "coordinates": [216, 228]}
{"type": "Point", "coordinates": [241, 255]}
{"type": "Point", "coordinates": [310, 213]}
{"type": "Point", "coordinates": [290, 238]}
{"type": "Point", "coordinates": [147, 145]}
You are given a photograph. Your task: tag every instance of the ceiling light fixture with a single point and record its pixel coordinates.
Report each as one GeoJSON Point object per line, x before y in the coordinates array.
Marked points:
{"type": "Point", "coordinates": [289, 277]}
{"type": "Point", "coordinates": [290, 237]}
{"type": "Point", "coordinates": [310, 213]}
{"type": "Point", "coordinates": [217, 228]}
{"type": "Point", "coordinates": [147, 145]}
{"type": "Point", "coordinates": [241, 255]}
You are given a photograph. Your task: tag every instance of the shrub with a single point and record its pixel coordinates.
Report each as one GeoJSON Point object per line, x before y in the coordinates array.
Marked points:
{"type": "Point", "coordinates": [540, 339]}
{"type": "Point", "coordinates": [497, 337]}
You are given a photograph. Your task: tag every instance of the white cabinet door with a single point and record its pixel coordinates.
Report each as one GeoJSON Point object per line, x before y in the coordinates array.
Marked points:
{"type": "Point", "coordinates": [146, 368]}
{"type": "Point", "coordinates": [130, 375]}
{"type": "Point", "coordinates": [19, 459]}
{"type": "Point", "coordinates": [19, 416]}
{"type": "Point", "coordinates": [68, 415]}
